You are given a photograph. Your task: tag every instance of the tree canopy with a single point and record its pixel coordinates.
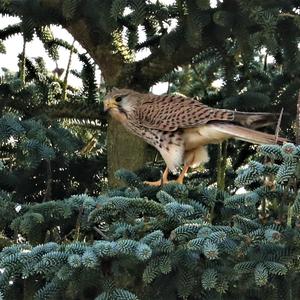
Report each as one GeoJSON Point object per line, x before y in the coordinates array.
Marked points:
{"type": "Point", "coordinates": [228, 34]}
{"type": "Point", "coordinates": [231, 232]}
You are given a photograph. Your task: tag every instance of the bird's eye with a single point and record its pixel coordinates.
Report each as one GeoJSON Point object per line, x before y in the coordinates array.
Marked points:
{"type": "Point", "coordinates": [119, 99]}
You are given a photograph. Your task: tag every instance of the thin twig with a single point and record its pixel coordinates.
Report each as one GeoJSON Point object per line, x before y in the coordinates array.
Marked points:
{"type": "Point", "coordinates": [284, 15]}
{"type": "Point", "coordinates": [48, 192]}
{"type": "Point", "coordinates": [89, 146]}
{"type": "Point", "coordinates": [78, 223]}
{"type": "Point", "coordinates": [23, 64]}
{"type": "Point", "coordinates": [278, 126]}
{"type": "Point", "coordinates": [65, 86]}
{"type": "Point", "coordinates": [266, 62]}
{"type": "Point", "coordinates": [221, 165]}
{"type": "Point", "coordinates": [101, 233]}
{"type": "Point", "coordinates": [195, 70]}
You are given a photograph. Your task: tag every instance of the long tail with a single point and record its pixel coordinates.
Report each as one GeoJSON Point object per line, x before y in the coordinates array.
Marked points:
{"type": "Point", "coordinates": [246, 134]}
{"type": "Point", "coordinates": [255, 120]}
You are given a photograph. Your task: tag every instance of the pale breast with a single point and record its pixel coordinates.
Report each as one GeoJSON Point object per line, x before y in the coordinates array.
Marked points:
{"type": "Point", "coordinates": [169, 144]}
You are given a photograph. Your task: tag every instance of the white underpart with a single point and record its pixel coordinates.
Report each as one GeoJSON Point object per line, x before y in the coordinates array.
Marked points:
{"type": "Point", "coordinates": [193, 151]}
{"type": "Point", "coordinates": [196, 140]}
{"type": "Point", "coordinates": [196, 157]}
{"type": "Point", "coordinates": [173, 157]}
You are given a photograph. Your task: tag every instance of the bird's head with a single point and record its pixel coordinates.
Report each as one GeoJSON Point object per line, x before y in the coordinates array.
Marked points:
{"type": "Point", "coordinates": [121, 101]}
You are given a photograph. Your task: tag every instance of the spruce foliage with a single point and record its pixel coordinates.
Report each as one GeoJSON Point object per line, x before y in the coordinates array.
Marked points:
{"type": "Point", "coordinates": [196, 240]}
{"type": "Point", "coordinates": [65, 235]}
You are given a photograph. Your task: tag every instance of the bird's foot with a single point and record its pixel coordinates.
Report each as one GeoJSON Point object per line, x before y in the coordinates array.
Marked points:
{"type": "Point", "coordinates": [164, 179]}
{"type": "Point", "coordinates": [182, 174]}
{"type": "Point", "coordinates": [156, 183]}
{"type": "Point", "coordinates": [179, 180]}
{"type": "Point", "coordinates": [161, 183]}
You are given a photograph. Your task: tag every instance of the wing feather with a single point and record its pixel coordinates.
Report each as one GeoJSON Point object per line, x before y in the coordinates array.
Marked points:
{"type": "Point", "coordinates": [171, 112]}
{"type": "Point", "coordinates": [246, 134]}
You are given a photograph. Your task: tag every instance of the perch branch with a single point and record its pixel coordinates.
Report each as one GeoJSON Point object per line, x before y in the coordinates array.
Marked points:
{"type": "Point", "coordinates": [101, 233]}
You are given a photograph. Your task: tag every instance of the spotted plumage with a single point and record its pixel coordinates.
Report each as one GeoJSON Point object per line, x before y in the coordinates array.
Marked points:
{"type": "Point", "coordinates": [180, 127]}
{"type": "Point", "coordinates": [170, 112]}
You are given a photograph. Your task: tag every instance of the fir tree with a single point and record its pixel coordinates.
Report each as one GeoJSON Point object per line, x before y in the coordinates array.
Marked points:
{"type": "Point", "coordinates": [230, 33]}
{"type": "Point", "coordinates": [179, 241]}
{"type": "Point", "coordinates": [64, 235]}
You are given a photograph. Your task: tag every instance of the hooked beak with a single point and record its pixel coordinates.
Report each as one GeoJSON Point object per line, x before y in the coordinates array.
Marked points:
{"type": "Point", "coordinates": [109, 104]}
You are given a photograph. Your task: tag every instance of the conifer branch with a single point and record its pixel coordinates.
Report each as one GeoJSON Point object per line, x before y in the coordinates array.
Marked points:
{"type": "Point", "coordinates": [101, 233]}
{"type": "Point", "coordinates": [298, 121]}
{"type": "Point", "coordinates": [48, 192]}
{"type": "Point", "coordinates": [159, 63]}
{"type": "Point", "coordinates": [69, 110]}
{"type": "Point", "coordinates": [110, 62]}
{"type": "Point", "coordinates": [65, 85]}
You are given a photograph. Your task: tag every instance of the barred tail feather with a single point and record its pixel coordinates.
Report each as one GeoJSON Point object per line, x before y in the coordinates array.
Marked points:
{"type": "Point", "coordinates": [255, 120]}
{"type": "Point", "coordinates": [247, 135]}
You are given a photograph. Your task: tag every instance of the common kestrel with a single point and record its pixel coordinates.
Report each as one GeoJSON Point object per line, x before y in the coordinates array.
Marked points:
{"type": "Point", "coordinates": [180, 128]}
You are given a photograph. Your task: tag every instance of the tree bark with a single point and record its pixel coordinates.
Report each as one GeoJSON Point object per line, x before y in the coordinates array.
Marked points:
{"type": "Point", "coordinates": [124, 150]}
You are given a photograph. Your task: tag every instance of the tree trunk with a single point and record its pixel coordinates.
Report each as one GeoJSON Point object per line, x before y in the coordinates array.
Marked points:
{"type": "Point", "coordinates": [124, 150]}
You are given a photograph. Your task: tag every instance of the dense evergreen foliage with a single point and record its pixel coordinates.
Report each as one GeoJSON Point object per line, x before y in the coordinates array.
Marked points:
{"type": "Point", "coordinates": [189, 241]}
{"type": "Point", "coordinates": [46, 141]}
{"type": "Point", "coordinates": [227, 37]}
{"type": "Point", "coordinates": [231, 232]}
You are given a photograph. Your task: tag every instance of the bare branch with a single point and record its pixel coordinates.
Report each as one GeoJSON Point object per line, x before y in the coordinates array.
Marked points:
{"type": "Point", "coordinates": [110, 62]}
{"type": "Point", "coordinates": [101, 233]}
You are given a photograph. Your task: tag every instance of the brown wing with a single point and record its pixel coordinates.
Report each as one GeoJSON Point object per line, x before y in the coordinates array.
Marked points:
{"type": "Point", "coordinates": [170, 112]}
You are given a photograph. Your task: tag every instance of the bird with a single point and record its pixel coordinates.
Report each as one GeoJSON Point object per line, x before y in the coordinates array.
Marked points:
{"type": "Point", "coordinates": [180, 128]}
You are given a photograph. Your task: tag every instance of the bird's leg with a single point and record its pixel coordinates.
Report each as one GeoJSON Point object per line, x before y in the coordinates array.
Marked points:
{"type": "Point", "coordinates": [185, 168]}
{"type": "Point", "coordinates": [181, 175]}
{"type": "Point", "coordinates": [162, 181]}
